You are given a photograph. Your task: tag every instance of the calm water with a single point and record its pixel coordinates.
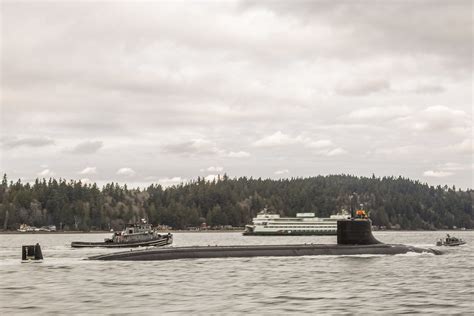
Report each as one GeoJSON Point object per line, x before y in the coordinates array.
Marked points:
{"type": "Point", "coordinates": [401, 284]}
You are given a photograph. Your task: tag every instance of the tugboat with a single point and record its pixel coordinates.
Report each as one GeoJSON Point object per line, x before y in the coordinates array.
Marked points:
{"type": "Point", "coordinates": [450, 241]}
{"type": "Point", "coordinates": [134, 235]}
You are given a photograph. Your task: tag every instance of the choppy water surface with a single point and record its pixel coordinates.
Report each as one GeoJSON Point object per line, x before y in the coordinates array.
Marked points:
{"type": "Point", "coordinates": [405, 284]}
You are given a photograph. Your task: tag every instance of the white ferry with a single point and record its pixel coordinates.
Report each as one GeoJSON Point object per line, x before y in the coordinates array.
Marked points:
{"type": "Point", "coordinates": [303, 224]}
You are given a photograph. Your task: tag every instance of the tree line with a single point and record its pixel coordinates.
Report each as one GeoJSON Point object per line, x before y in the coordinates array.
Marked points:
{"type": "Point", "coordinates": [394, 202]}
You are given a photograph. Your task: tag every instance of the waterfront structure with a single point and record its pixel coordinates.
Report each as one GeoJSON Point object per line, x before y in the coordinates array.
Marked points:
{"type": "Point", "coordinates": [24, 228]}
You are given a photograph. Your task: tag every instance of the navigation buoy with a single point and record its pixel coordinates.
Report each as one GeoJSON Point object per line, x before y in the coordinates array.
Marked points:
{"type": "Point", "coordinates": [31, 253]}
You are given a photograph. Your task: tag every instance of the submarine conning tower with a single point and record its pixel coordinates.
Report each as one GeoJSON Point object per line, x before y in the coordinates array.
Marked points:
{"type": "Point", "coordinates": [355, 231]}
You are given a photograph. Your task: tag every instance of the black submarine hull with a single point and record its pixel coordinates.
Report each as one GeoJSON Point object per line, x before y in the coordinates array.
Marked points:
{"type": "Point", "coordinates": [354, 237]}
{"type": "Point", "coordinates": [260, 251]}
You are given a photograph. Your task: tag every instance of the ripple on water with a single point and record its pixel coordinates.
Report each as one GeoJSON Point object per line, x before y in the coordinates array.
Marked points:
{"type": "Point", "coordinates": [409, 283]}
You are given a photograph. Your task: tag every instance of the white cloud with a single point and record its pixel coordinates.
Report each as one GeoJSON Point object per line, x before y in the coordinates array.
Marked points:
{"type": "Point", "coordinates": [128, 172]}
{"type": "Point", "coordinates": [396, 151]}
{"type": "Point", "coordinates": [336, 152]}
{"type": "Point", "coordinates": [437, 174]}
{"type": "Point", "coordinates": [213, 169]}
{"type": "Point", "coordinates": [46, 173]}
{"type": "Point", "coordinates": [276, 139]}
{"type": "Point", "coordinates": [238, 154]}
{"type": "Point", "coordinates": [166, 182]}
{"type": "Point", "coordinates": [380, 112]}
{"type": "Point", "coordinates": [431, 119]}
{"type": "Point", "coordinates": [323, 143]}
{"type": "Point", "coordinates": [453, 166]}
{"type": "Point", "coordinates": [202, 147]}
{"type": "Point", "coordinates": [280, 139]}
{"type": "Point", "coordinates": [197, 147]}
{"type": "Point", "coordinates": [88, 170]}
{"type": "Point", "coordinates": [447, 169]}
{"type": "Point", "coordinates": [464, 147]}
{"type": "Point", "coordinates": [212, 177]}
{"type": "Point", "coordinates": [440, 119]}
{"type": "Point", "coordinates": [86, 181]}
{"type": "Point", "coordinates": [281, 172]}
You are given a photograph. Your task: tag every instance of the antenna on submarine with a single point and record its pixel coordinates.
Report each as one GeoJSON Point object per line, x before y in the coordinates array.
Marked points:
{"type": "Point", "coordinates": [352, 203]}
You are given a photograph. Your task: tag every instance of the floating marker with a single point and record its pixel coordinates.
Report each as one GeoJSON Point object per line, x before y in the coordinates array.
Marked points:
{"type": "Point", "coordinates": [31, 253]}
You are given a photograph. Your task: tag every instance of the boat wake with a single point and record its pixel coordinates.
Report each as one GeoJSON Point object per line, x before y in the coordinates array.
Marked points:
{"type": "Point", "coordinates": [415, 254]}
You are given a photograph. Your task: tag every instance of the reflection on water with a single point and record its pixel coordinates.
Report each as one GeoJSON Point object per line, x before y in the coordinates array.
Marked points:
{"type": "Point", "coordinates": [65, 283]}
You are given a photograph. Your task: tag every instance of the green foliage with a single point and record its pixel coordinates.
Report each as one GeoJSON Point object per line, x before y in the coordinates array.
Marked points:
{"type": "Point", "coordinates": [390, 201]}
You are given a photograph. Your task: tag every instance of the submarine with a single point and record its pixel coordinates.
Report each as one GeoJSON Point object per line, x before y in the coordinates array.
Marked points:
{"type": "Point", "coordinates": [354, 237]}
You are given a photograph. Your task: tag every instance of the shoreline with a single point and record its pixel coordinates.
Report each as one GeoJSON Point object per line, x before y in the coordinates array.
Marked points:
{"type": "Point", "coordinates": [12, 232]}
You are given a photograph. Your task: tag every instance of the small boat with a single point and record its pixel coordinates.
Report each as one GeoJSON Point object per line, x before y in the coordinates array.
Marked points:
{"type": "Point", "coordinates": [134, 235]}
{"type": "Point", "coordinates": [450, 241]}
{"type": "Point", "coordinates": [27, 229]}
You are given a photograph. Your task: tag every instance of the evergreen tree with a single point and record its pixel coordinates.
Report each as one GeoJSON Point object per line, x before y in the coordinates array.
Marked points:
{"type": "Point", "coordinates": [391, 202]}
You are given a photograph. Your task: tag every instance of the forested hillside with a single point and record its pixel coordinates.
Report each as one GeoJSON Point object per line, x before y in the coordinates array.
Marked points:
{"type": "Point", "coordinates": [72, 205]}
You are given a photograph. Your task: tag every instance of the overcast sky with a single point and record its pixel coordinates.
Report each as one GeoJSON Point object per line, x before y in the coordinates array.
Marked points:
{"type": "Point", "coordinates": [166, 91]}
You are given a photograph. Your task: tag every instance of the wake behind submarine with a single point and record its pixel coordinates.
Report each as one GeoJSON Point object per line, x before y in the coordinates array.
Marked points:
{"type": "Point", "coordinates": [354, 237]}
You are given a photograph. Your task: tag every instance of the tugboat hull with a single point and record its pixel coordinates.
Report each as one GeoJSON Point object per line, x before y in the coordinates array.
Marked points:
{"type": "Point", "coordinates": [162, 241]}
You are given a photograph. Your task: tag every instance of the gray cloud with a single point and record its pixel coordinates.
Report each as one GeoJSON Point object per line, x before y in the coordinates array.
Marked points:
{"type": "Point", "coordinates": [88, 171]}
{"type": "Point", "coordinates": [363, 88]}
{"type": "Point", "coordinates": [126, 172]}
{"type": "Point", "coordinates": [28, 142]}
{"type": "Point", "coordinates": [352, 86]}
{"type": "Point", "coordinates": [196, 146]}
{"type": "Point", "coordinates": [393, 27]}
{"type": "Point", "coordinates": [87, 147]}
{"type": "Point", "coordinates": [429, 89]}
